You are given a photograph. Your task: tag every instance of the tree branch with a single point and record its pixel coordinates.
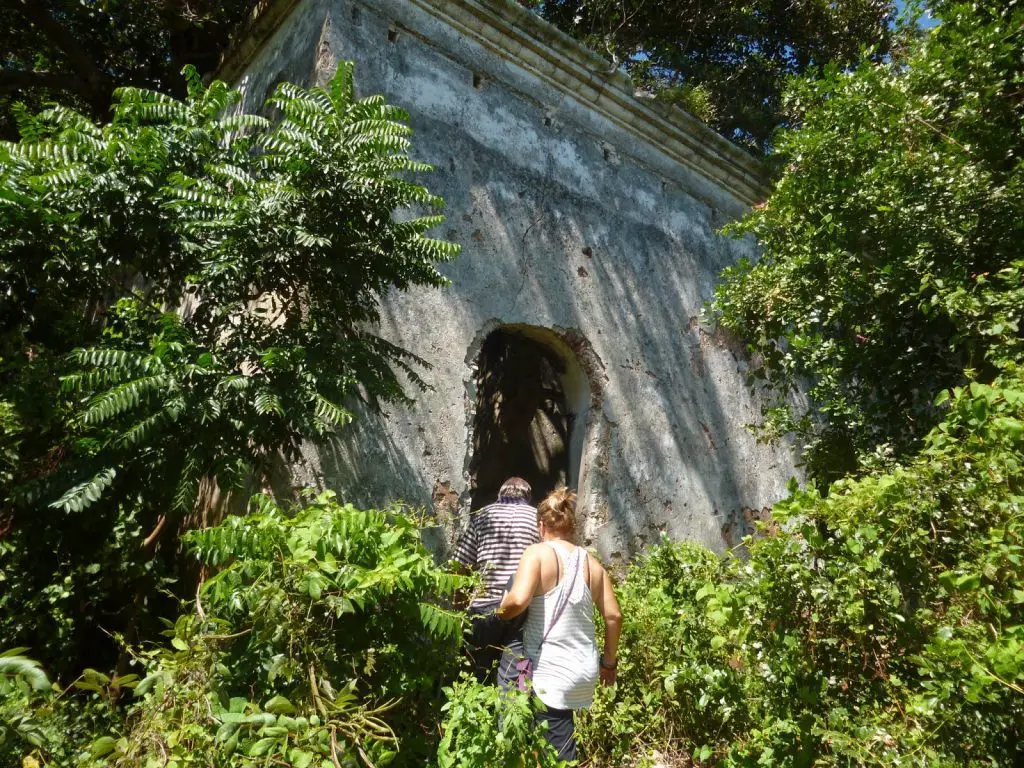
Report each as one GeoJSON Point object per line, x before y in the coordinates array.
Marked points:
{"type": "Point", "coordinates": [155, 533]}
{"type": "Point", "coordinates": [16, 80]}
{"type": "Point", "coordinates": [315, 689]}
{"type": "Point", "coordinates": [59, 35]}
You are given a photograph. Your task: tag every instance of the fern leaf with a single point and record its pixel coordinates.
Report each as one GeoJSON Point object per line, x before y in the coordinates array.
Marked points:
{"type": "Point", "coordinates": [193, 81]}
{"type": "Point", "coordinates": [66, 176]}
{"type": "Point", "coordinates": [330, 414]}
{"type": "Point", "coordinates": [234, 383]}
{"type": "Point", "coordinates": [142, 431]}
{"type": "Point", "coordinates": [237, 123]}
{"type": "Point", "coordinates": [267, 402]}
{"type": "Point", "coordinates": [230, 173]}
{"type": "Point", "coordinates": [187, 490]}
{"type": "Point", "coordinates": [101, 357]}
{"type": "Point", "coordinates": [441, 623]}
{"type": "Point", "coordinates": [79, 497]}
{"type": "Point", "coordinates": [342, 86]}
{"type": "Point", "coordinates": [123, 397]}
{"type": "Point", "coordinates": [309, 240]}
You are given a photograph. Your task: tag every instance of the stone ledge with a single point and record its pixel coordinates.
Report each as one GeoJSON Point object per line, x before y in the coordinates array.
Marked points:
{"type": "Point", "coordinates": [253, 33]}
{"type": "Point", "coordinates": [521, 37]}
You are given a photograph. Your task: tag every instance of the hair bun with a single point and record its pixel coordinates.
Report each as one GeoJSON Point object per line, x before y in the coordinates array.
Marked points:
{"type": "Point", "coordinates": [558, 511]}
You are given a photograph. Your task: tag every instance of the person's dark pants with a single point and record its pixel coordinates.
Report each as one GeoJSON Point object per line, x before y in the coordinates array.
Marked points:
{"type": "Point", "coordinates": [492, 640]}
{"type": "Point", "coordinates": [508, 673]}
{"type": "Point", "coordinates": [561, 731]}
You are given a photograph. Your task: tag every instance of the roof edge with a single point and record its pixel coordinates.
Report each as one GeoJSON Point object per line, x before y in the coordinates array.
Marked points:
{"type": "Point", "coordinates": [520, 36]}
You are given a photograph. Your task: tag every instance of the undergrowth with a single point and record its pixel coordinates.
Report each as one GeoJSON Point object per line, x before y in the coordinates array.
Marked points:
{"type": "Point", "coordinates": [878, 625]}
{"type": "Point", "coordinates": [881, 624]}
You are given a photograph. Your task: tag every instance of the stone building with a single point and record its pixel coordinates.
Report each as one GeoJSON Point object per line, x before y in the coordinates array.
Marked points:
{"type": "Point", "coordinates": [569, 347]}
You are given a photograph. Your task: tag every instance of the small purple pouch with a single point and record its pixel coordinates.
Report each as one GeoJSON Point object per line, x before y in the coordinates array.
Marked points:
{"type": "Point", "coordinates": [525, 669]}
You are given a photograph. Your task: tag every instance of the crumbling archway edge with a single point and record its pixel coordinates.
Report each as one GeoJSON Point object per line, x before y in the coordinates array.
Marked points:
{"type": "Point", "coordinates": [583, 385]}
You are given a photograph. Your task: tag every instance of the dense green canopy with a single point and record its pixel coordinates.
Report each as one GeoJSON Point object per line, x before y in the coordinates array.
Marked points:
{"type": "Point", "coordinates": [727, 61]}
{"type": "Point", "coordinates": [188, 293]}
{"type": "Point", "coordinates": [78, 51]}
{"type": "Point", "coordinates": [891, 263]}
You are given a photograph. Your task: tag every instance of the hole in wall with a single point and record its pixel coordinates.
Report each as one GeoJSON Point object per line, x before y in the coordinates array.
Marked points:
{"type": "Point", "coordinates": [356, 15]}
{"type": "Point", "coordinates": [531, 402]}
{"type": "Point", "coordinates": [392, 35]}
{"type": "Point", "coordinates": [478, 80]}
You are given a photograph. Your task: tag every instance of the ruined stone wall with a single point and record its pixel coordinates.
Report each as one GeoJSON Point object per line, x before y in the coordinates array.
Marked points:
{"type": "Point", "coordinates": [588, 220]}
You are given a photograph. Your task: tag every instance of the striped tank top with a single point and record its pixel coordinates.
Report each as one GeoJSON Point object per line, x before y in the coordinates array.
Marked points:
{"type": "Point", "coordinates": [565, 665]}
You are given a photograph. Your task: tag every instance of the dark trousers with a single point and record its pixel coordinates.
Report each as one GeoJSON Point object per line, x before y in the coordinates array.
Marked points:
{"type": "Point", "coordinates": [561, 731]}
{"type": "Point", "coordinates": [492, 640]}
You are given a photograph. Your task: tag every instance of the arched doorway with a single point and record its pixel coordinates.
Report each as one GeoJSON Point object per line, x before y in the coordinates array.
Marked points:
{"type": "Point", "coordinates": [531, 399]}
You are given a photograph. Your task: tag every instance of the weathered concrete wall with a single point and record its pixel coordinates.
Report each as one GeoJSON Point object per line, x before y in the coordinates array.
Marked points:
{"type": "Point", "coordinates": [586, 216]}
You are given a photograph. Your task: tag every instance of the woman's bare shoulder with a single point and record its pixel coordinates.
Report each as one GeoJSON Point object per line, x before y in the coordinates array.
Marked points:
{"type": "Point", "coordinates": [596, 569]}
{"type": "Point", "coordinates": [593, 559]}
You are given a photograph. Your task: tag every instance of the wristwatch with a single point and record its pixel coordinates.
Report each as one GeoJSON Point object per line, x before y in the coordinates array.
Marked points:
{"type": "Point", "coordinates": [606, 665]}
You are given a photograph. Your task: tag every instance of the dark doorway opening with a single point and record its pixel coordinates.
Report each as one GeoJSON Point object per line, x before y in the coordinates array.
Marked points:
{"type": "Point", "coordinates": [523, 423]}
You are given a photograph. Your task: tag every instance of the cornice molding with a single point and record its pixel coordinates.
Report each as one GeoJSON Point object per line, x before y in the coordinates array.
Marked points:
{"type": "Point", "coordinates": [519, 36]}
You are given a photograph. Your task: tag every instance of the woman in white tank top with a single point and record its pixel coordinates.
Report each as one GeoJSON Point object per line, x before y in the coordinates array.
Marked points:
{"type": "Point", "coordinates": [560, 584]}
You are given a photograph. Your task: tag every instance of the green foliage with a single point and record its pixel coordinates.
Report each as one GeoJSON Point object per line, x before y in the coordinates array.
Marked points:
{"type": "Point", "coordinates": [76, 52]}
{"type": "Point", "coordinates": [10, 442]}
{"type": "Point", "coordinates": [294, 581]}
{"type": "Point", "coordinates": [37, 721]}
{"type": "Point", "coordinates": [726, 62]}
{"type": "Point", "coordinates": [673, 674]}
{"type": "Point", "coordinates": [879, 623]}
{"type": "Point", "coordinates": [882, 624]}
{"type": "Point", "coordinates": [879, 620]}
{"type": "Point", "coordinates": [22, 681]}
{"type": "Point", "coordinates": [485, 725]}
{"type": "Point", "coordinates": [311, 640]}
{"type": "Point", "coordinates": [698, 100]}
{"type": "Point", "coordinates": [204, 285]}
{"type": "Point", "coordinates": [891, 246]}
{"type": "Point", "coordinates": [321, 636]}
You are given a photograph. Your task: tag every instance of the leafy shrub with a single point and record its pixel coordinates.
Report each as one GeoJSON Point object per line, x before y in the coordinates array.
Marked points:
{"type": "Point", "coordinates": [891, 246]}
{"type": "Point", "coordinates": [321, 635]}
{"type": "Point", "coordinates": [674, 676]}
{"type": "Point", "coordinates": [882, 624]}
{"type": "Point", "coordinates": [203, 286]}
{"type": "Point", "coordinates": [22, 680]}
{"type": "Point", "coordinates": [486, 726]}
{"type": "Point", "coordinates": [42, 724]}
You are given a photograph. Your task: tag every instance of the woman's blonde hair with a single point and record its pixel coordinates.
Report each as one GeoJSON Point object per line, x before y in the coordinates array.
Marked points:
{"type": "Point", "coordinates": [558, 511]}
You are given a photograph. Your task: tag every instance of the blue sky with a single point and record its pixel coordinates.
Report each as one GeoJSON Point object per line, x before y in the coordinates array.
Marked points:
{"type": "Point", "coordinates": [926, 20]}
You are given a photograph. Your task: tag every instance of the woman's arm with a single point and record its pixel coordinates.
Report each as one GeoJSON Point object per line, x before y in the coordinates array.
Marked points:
{"type": "Point", "coordinates": [608, 607]}
{"type": "Point", "coordinates": [517, 599]}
